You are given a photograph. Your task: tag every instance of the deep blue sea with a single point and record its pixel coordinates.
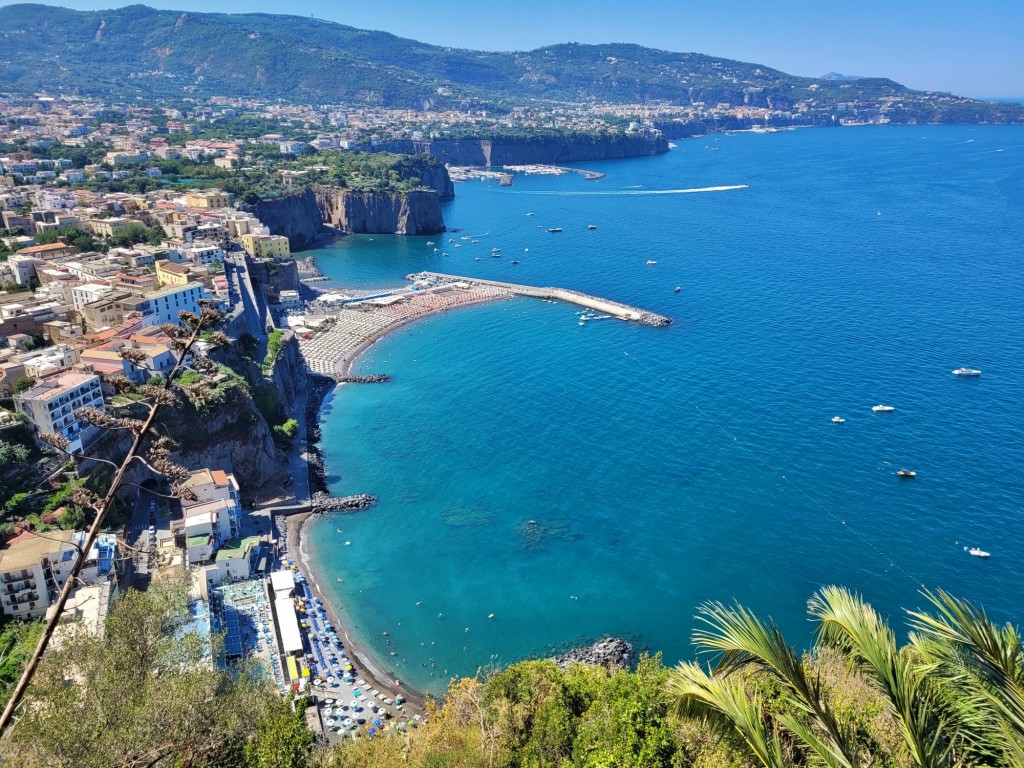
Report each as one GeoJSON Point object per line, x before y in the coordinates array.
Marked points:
{"type": "Point", "coordinates": [606, 479]}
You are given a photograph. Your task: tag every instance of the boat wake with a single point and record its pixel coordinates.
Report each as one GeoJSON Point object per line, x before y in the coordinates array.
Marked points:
{"type": "Point", "coordinates": [637, 192]}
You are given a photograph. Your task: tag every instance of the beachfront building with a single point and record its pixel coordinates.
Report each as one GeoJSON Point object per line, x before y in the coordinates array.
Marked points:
{"type": "Point", "coordinates": [281, 586]}
{"type": "Point", "coordinates": [236, 560]}
{"type": "Point", "coordinates": [51, 404]}
{"type": "Point", "coordinates": [33, 569]}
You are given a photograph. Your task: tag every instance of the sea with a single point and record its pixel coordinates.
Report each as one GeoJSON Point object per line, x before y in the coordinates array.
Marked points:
{"type": "Point", "coordinates": [544, 483]}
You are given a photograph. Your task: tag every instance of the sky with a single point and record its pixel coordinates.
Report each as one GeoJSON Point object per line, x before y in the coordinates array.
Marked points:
{"type": "Point", "coordinates": [973, 48]}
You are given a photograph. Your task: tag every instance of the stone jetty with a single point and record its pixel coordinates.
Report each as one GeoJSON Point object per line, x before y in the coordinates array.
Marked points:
{"type": "Point", "coordinates": [321, 503]}
{"type": "Point", "coordinates": [373, 378]}
{"type": "Point", "coordinates": [607, 306]}
{"type": "Point", "coordinates": [606, 652]}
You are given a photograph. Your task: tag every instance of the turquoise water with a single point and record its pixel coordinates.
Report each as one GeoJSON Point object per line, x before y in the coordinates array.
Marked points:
{"type": "Point", "coordinates": [665, 467]}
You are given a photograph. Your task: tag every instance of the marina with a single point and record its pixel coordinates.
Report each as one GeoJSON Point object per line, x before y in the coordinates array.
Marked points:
{"type": "Point", "coordinates": [337, 326]}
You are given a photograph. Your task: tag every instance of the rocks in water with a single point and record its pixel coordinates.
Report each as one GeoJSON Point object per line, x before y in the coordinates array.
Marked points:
{"type": "Point", "coordinates": [373, 378]}
{"type": "Point", "coordinates": [321, 502]}
{"type": "Point", "coordinates": [607, 652]}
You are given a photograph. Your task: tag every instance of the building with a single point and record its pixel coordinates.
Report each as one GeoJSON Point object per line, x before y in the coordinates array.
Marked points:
{"type": "Point", "coordinates": [266, 246]}
{"type": "Point", "coordinates": [213, 518]}
{"type": "Point", "coordinates": [203, 253]}
{"type": "Point", "coordinates": [169, 273]}
{"type": "Point", "coordinates": [208, 198]}
{"type": "Point", "coordinates": [164, 305]}
{"type": "Point", "coordinates": [33, 569]}
{"type": "Point", "coordinates": [109, 227]}
{"type": "Point", "coordinates": [50, 406]}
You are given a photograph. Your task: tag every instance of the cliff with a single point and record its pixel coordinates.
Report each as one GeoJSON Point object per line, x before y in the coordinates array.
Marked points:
{"type": "Point", "coordinates": [274, 276]}
{"type": "Point", "coordinates": [301, 216]}
{"type": "Point", "coordinates": [526, 150]}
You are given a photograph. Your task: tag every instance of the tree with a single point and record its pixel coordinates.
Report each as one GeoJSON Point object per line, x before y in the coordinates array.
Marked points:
{"type": "Point", "coordinates": [12, 453]}
{"type": "Point", "coordinates": [16, 643]}
{"type": "Point", "coordinates": [282, 739]}
{"type": "Point", "coordinates": [137, 418]}
{"type": "Point", "coordinates": [23, 384]}
{"type": "Point", "coordinates": [145, 694]}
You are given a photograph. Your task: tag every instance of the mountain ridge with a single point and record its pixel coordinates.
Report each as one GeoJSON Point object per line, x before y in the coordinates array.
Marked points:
{"type": "Point", "coordinates": [141, 51]}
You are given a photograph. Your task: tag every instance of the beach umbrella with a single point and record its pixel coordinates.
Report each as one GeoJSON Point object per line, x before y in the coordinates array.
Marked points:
{"type": "Point", "coordinates": [378, 724]}
{"type": "Point", "coordinates": [348, 667]}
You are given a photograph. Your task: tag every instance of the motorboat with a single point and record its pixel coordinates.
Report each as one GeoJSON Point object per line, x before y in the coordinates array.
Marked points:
{"type": "Point", "coordinates": [650, 262]}
{"type": "Point", "coordinates": [883, 408]}
{"type": "Point", "coordinates": [678, 289]}
{"type": "Point", "coordinates": [515, 261]}
{"type": "Point", "coordinates": [591, 226]}
{"type": "Point", "coordinates": [529, 213]}
{"type": "Point", "coordinates": [978, 552]}
{"type": "Point", "coordinates": [554, 229]}
{"type": "Point", "coordinates": [967, 372]}
{"type": "Point", "coordinates": [838, 420]}
{"type": "Point", "coordinates": [906, 473]}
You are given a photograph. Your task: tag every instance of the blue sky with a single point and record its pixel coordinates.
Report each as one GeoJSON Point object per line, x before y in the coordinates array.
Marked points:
{"type": "Point", "coordinates": [973, 48]}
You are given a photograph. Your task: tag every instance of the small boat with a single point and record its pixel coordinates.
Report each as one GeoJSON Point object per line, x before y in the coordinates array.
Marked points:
{"type": "Point", "coordinates": [650, 262]}
{"type": "Point", "coordinates": [583, 322]}
{"type": "Point", "coordinates": [977, 552]}
{"type": "Point", "coordinates": [495, 254]}
{"type": "Point", "coordinates": [554, 229]}
{"type": "Point", "coordinates": [906, 473]}
{"type": "Point", "coordinates": [967, 372]}
{"type": "Point", "coordinates": [882, 408]}
{"type": "Point", "coordinates": [838, 420]}
{"type": "Point", "coordinates": [591, 226]}
{"type": "Point", "coordinates": [430, 242]}
{"type": "Point", "coordinates": [678, 289]}
{"type": "Point", "coordinates": [515, 261]}
{"type": "Point", "coordinates": [529, 213]}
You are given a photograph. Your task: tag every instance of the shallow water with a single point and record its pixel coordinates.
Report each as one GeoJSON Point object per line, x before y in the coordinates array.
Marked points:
{"type": "Point", "coordinates": [606, 479]}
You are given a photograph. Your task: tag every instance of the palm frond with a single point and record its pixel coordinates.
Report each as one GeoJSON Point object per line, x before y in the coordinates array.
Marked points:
{"type": "Point", "coordinates": [723, 703]}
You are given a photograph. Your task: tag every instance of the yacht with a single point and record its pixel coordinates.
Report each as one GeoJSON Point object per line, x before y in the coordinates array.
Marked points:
{"type": "Point", "coordinates": [529, 213]}
{"type": "Point", "coordinates": [978, 552]}
{"type": "Point", "coordinates": [906, 473]}
{"type": "Point", "coordinates": [882, 408]}
{"type": "Point", "coordinates": [650, 262]}
{"type": "Point", "coordinates": [838, 420]}
{"type": "Point", "coordinates": [967, 372]}
{"type": "Point", "coordinates": [554, 229]}
{"type": "Point", "coordinates": [591, 226]}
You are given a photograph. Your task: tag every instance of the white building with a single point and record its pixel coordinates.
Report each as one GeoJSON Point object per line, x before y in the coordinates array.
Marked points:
{"type": "Point", "coordinates": [50, 406]}
{"type": "Point", "coordinates": [215, 516]}
{"type": "Point", "coordinates": [164, 305]}
{"type": "Point", "coordinates": [203, 253]}
{"type": "Point", "coordinates": [33, 569]}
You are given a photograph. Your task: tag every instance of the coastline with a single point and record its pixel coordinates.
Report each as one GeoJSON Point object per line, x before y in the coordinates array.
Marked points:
{"type": "Point", "coordinates": [367, 665]}
{"type": "Point", "coordinates": [322, 389]}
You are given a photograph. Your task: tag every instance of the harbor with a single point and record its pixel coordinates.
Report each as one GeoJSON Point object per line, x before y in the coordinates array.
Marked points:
{"type": "Point", "coordinates": [336, 327]}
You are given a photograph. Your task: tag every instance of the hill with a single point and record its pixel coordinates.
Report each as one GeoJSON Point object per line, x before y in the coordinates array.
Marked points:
{"type": "Point", "coordinates": [140, 52]}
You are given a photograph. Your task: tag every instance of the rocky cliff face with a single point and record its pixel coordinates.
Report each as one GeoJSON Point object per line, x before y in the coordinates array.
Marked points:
{"type": "Point", "coordinates": [275, 276]}
{"type": "Point", "coordinates": [301, 217]}
{"type": "Point", "coordinates": [531, 150]}
{"type": "Point", "coordinates": [289, 376]}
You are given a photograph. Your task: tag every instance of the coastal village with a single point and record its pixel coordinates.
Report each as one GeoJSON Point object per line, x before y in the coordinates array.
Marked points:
{"type": "Point", "coordinates": [91, 279]}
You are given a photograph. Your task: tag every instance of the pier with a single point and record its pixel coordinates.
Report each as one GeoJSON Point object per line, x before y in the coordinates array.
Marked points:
{"type": "Point", "coordinates": [596, 303]}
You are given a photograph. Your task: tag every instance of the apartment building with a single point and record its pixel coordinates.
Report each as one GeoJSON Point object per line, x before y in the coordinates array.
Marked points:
{"type": "Point", "coordinates": [50, 406]}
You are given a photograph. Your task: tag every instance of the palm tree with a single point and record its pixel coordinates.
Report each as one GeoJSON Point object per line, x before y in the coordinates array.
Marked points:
{"type": "Point", "coordinates": [981, 669]}
{"type": "Point", "coordinates": [742, 640]}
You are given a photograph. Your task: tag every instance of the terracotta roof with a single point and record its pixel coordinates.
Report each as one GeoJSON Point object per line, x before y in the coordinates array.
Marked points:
{"type": "Point", "coordinates": [32, 249]}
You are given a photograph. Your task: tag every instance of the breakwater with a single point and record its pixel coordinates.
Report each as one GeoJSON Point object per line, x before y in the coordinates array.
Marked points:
{"type": "Point", "coordinates": [613, 308]}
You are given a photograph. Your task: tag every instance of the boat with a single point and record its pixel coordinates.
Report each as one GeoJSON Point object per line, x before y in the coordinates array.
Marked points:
{"type": "Point", "coordinates": [882, 408]}
{"type": "Point", "coordinates": [583, 322]}
{"type": "Point", "coordinates": [906, 473]}
{"type": "Point", "coordinates": [678, 289]}
{"type": "Point", "coordinates": [591, 226]}
{"type": "Point", "coordinates": [529, 213]}
{"type": "Point", "coordinates": [515, 261]}
{"type": "Point", "coordinates": [554, 229]}
{"type": "Point", "coordinates": [671, 145]}
{"type": "Point", "coordinates": [967, 372]}
{"type": "Point", "coordinates": [650, 262]}
{"type": "Point", "coordinates": [977, 552]}
{"type": "Point", "coordinates": [430, 242]}
{"type": "Point", "coordinates": [838, 420]}
{"type": "Point", "coordinates": [495, 254]}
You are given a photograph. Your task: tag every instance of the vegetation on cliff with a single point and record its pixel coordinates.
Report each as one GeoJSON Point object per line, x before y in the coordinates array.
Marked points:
{"type": "Point", "coordinates": [953, 696]}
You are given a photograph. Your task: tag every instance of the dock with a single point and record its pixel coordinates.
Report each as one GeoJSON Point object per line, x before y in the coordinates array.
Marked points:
{"type": "Point", "coordinates": [596, 303]}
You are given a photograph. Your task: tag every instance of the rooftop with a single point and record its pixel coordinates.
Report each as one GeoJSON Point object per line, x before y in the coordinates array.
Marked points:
{"type": "Point", "coordinates": [236, 548]}
{"type": "Point", "coordinates": [57, 385]}
{"type": "Point", "coordinates": [27, 549]}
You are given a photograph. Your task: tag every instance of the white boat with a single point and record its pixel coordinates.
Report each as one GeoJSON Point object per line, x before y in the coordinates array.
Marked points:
{"type": "Point", "coordinates": [882, 408]}
{"type": "Point", "coordinates": [978, 552]}
{"type": "Point", "coordinates": [967, 372]}
{"type": "Point", "coordinates": [650, 262]}
{"type": "Point", "coordinates": [838, 420]}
